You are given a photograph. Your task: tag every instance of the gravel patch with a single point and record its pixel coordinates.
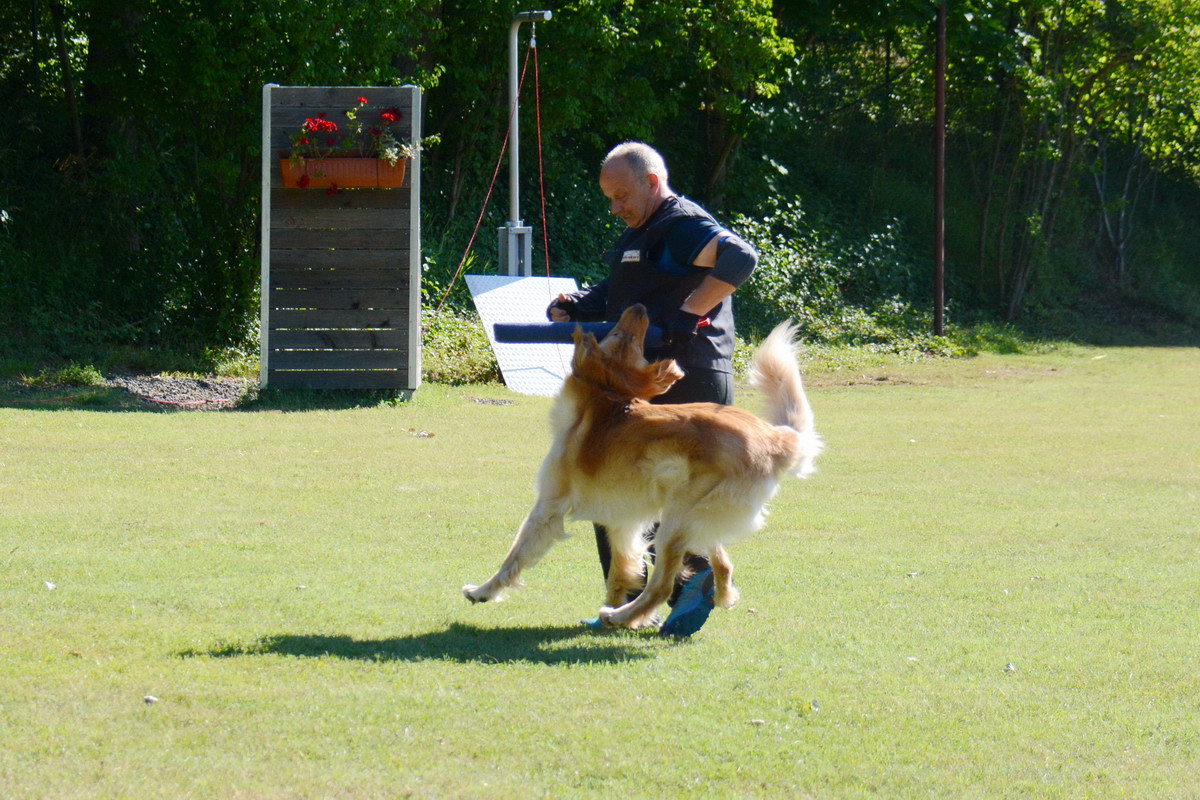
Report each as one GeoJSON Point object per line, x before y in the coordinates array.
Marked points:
{"type": "Point", "coordinates": [210, 393]}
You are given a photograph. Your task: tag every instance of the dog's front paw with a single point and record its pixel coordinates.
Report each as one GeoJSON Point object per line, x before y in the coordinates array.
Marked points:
{"type": "Point", "coordinates": [618, 618]}
{"type": "Point", "coordinates": [643, 622]}
{"type": "Point", "coordinates": [609, 617]}
{"type": "Point", "coordinates": [475, 594]}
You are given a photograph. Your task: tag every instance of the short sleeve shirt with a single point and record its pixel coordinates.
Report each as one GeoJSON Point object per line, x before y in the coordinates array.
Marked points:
{"type": "Point", "coordinates": [652, 265]}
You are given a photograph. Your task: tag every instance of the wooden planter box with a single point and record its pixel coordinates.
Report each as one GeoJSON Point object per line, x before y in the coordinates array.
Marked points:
{"type": "Point", "coordinates": [349, 172]}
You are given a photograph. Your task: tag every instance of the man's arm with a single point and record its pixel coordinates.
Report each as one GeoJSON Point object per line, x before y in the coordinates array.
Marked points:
{"type": "Point", "coordinates": [707, 295]}
{"type": "Point", "coordinates": [731, 261]}
{"type": "Point", "coordinates": [583, 306]}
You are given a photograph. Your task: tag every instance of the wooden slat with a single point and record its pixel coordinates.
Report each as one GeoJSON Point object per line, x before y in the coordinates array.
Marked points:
{"type": "Point", "coordinates": [339, 320]}
{"type": "Point", "coordinates": [338, 359]}
{"type": "Point", "coordinates": [338, 96]}
{"type": "Point", "coordinates": [289, 118]}
{"type": "Point", "coordinates": [359, 198]}
{"type": "Point", "coordinates": [394, 338]}
{"type": "Point", "coordinates": [341, 218]}
{"type": "Point", "coordinates": [345, 259]}
{"type": "Point", "coordinates": [330, 299]}
{"type": "Point", "coordinates": [339, 279]}
{"type": "Point", "coordinates": [379, 379]}
{"type": "Point", "coordinates": [333, 238]}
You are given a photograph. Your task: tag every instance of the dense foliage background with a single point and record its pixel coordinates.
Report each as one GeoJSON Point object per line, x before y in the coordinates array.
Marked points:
{"type": "Point", "coordinates": [129, 167]}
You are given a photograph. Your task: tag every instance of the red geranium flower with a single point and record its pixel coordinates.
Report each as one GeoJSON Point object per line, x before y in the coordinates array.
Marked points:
{"type": "Point", "coordinates": [303, 181]}
{"type": "Point", "coordinates": [320, 124]}
{"type": "Point", "coordinates": [363, 100]}
{"type": "Point", "coordinates": [333, 189]}
{"type": "Point", "coordinates": [390, 114]}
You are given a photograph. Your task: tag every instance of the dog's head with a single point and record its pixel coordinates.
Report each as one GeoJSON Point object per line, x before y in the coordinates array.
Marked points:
{"type": "Point", "coordinates": [617, 366]}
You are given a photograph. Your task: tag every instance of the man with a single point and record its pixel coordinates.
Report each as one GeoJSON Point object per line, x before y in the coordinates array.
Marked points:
{"type": "Point", "coordinates": [683, 266]}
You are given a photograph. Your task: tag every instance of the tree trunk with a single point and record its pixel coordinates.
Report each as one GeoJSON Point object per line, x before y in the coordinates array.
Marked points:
{"type": "Point", "coordinates": [68, 77]}
{"type": "Point", "coordinates": [112, 73]}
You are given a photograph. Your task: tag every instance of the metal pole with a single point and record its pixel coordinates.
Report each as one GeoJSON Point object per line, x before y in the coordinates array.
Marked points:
{"type": "Point", "coordinates": [939, 176]}
{"type": "Point", "coordinates": [514, 160]}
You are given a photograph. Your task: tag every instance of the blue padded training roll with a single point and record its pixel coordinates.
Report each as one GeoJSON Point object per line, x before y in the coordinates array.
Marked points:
{"type": "Point", "coordinates": [560, 332]}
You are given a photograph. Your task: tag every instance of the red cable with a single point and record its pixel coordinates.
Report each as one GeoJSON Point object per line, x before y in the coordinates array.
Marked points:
{"type": "Point", "coordinates": [488, 197]}
{"type": "Point", "coordinates": [537, 91]}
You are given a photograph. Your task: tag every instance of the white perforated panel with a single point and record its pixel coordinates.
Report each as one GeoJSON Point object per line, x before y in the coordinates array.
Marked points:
{"type": "Point", "coordinates": [537, 369]}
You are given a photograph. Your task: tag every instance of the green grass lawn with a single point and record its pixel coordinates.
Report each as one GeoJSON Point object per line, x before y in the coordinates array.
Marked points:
{"type": "Point", "coordinates": [991, 588]}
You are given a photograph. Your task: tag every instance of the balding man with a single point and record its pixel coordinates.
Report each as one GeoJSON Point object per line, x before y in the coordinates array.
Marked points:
{"type": "Point", "coordinates": [683, 266]}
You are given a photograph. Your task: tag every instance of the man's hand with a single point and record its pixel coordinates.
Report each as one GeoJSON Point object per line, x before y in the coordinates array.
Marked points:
{"type": "Point", "coordinates": [562, 309]}
{"type": "Point", "coordinates": [682, 328]}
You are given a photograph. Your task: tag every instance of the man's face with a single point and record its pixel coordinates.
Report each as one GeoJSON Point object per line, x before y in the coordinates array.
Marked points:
{"type": "Point", "coordinates": [631, 199]}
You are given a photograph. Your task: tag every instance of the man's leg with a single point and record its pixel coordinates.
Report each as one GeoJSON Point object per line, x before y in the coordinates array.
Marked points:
{"type": "Point", "coordinates": [692, 598]}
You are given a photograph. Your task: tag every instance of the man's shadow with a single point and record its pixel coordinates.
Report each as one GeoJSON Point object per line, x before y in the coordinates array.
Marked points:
{"type": "Point", "coordinates": [461, 643]}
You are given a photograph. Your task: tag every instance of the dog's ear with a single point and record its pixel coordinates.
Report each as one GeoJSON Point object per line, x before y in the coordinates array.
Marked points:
{"type": "Point", "coordinates": [661, 376]}
{"type": "Point", "coordinates": [585, 347]}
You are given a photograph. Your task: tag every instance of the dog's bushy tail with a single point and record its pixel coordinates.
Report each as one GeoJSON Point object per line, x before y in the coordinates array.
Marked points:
{"type": "Point", "coordinates": [773, 371]}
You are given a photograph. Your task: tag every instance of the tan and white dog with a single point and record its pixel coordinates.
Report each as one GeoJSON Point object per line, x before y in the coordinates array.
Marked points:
{"type": "Point", "coordinates": [703, 471]}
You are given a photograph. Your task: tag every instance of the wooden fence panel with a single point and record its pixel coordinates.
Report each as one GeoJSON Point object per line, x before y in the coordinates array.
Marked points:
{"type": "Point", "coordinates": [338, 277]}
{"type": "Point", "coordinates": [363, 339]}
{"type": "Point", "coordinates": [352, 319]}
{"type": "Point", "coordinates": [360, 259]}
{"type": "Point", "coordinates": [341, 271]}
{"type": "Point", "coordinates": [341, 379]}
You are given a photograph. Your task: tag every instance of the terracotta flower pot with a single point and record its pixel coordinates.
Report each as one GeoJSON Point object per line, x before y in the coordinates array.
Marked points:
{"type": "Point", "coordinates": [343, 172]}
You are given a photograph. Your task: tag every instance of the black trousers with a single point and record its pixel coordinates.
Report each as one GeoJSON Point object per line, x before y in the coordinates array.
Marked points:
{"type": "Point", "coordinates": [698, 386]}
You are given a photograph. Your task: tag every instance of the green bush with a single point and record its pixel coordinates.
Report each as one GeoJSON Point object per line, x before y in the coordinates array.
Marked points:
{"type": "Point", "coordinates": [71, 374]}
{"type": "Point", "coordinates": [841, 287]}
{"type": "Point", "coordinates": [456, 350]}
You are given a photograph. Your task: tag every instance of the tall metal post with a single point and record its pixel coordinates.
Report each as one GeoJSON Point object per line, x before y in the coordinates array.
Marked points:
{"type": "Point", "coordinates": [939, 177]}
{"type": "Point", "coordinates": [516, 239]}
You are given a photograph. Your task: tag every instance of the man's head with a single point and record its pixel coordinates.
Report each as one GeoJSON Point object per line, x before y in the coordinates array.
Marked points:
{"type": "Point", "coordinates": [633, 176]}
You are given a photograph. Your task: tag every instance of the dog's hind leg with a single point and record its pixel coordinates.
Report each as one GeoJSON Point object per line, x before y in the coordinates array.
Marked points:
{"type": "Point", "coordinates": [538, 533]}
{"type": "Point", "coordinates": [667, 564]}
{"type": "Point", "coordinates": [726, 594]}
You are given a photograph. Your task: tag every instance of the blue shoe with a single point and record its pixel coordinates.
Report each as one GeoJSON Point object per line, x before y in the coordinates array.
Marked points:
{"type": "Point", "coordinates": [594, 624]}
{"type": "Point", "coordinates": [692, 608]}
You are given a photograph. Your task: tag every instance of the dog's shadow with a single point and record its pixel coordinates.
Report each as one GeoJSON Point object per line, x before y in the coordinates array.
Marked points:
{"type": "Point", "coordinates": [458, 642]}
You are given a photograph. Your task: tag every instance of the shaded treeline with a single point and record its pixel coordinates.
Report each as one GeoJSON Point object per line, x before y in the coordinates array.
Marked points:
{"type": "Point", "coordinates": [129, 168]}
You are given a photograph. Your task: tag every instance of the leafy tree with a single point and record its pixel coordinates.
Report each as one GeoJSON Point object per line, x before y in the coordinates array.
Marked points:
{"type": "Point", "coordinates": [129, 171]}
